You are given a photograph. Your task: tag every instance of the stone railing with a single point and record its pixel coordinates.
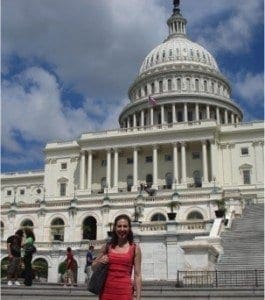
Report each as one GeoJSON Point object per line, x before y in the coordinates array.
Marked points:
{"type": "Point", "coordinates": [153, 226]}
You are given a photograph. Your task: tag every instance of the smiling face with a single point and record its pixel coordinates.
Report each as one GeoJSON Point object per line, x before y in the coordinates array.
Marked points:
{"type": "Point", "coordinates": [122, 229]}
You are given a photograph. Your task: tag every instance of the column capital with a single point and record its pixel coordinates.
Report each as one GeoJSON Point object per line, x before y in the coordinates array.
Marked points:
{"type": "Point", "coordinates": [82, 152]}
{"type": "Point", "coordinates": [212, 142]}
{"type": "Point", "coordinates": [175, 144]}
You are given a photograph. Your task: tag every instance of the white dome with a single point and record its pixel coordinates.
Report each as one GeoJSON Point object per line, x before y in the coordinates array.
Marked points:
{"type": "Point", "coordinates": [178, 50]}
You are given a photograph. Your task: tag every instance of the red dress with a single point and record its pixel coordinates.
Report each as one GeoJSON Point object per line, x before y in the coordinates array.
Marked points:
{"type": "Point", "coordinates": [118, 284]}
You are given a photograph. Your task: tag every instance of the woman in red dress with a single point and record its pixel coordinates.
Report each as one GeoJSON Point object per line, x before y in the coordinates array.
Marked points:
{"type": "Point", "coordinates": [123, 257]}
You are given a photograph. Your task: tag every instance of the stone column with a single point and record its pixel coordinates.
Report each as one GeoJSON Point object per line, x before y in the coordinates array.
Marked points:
{"type": "Point", "coordinates": [185, 112]}
{"type": "Point", "coordinates": [214, 161]}
{"type": "Point", "coordinates": [108, 169]}
{"type": "Point", "coordinates": [175, 166]}
{"type": "Point", "coordinates": [155, 186]}
{"type": "Point", "coordinates": [237, 120]}
{"type": "Point", "coordinates": [204, 162]}
{"type": "Point", "coordinates": [142, 118]}
{"type": "Point", "coordinates": [217, 115]}
{"type": "Point", "coordinates": [183, 163]}
{"type": "Point", "coordinates": [134, 120]}
{"type": "Point", "coordinates": [207, 112]}
{"type": "Point", "coordinates": [82, 171]}
{"type": "Point", "coordinates": [116, 171]}
{"type": "Point", "coordinates": [135, 169]}
{"type": "Point", "coordinates": [197, 117]}
{"type": "Point", "coordinates": [162, 115]}
{"type": "Point", "coordinates": [128, 122]}
{"type": "Point", "coordinates": [173, 113]}
{"type": "Point", "coordinates": [151, 116]}
{"type": "Point", "coordinates": [232, 164]}
{"type": "Point", "coordinates": [232, 118]}
{"type": "Point", "coordinates": [226, 117]}
{"type": "Point", "coordinates": [89, 172]}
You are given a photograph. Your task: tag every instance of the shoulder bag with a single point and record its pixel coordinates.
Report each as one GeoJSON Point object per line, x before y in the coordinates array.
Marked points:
{"type": "Point", "coordinates": [99, 276]}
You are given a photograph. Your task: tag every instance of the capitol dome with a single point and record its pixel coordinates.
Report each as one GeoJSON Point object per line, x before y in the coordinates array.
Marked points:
{"type": "Point", "coordinates": [179, 81]}
{"type": "Point", "coordinates": [178, 50]}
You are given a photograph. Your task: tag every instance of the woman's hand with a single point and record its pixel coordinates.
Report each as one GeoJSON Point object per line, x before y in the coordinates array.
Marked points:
{"type": "Point", "coordinates": [103, 259]}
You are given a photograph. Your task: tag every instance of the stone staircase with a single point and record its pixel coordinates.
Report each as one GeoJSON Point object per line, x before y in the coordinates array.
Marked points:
{"type": "Point", "coordinates": [151, 291]}
{"type": "Point", "coordinates": [243, 244]}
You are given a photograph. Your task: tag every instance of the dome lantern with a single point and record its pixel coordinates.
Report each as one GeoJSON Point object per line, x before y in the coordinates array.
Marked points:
{"type": "Point", "coordinates": [176, 23]}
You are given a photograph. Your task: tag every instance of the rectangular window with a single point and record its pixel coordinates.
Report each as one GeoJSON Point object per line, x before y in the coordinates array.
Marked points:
{"type": "Point", "coordinates": [129, 160]}
{"type": "Point", "coordinates": [22, 192]}
{"type": "Point", "coordinates": [63, 166]}
{"type": "Point", "coordinates": [103, 163]}
{"type": "Point", "coordinates": [169, 117]}
{"type": "Point", "coordinates": [180, 116]}
{"type": "Point", "coordinates": [168, 157]}
{"type": "Point", "coordinates": [196, 155]}
{"type": "Point", "coordinates": [62, 189]}
{"type": "Point", "coordinates": [9, 193]}
{"type": "Point", "coordinates": [244, 151]}
{"type": "Point", "coordinates": [246, 176]}
{"type": "Point", "coordinates": [190, 115]}
{"type": "Point", "coordinates": [149, 159]}
{"type": "Point", "coordinates": [160, 86]}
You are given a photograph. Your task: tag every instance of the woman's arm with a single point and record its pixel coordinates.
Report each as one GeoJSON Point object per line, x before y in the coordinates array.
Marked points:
{"type": "Point", "coordinates": [102, 258]}
{"type": "Point", "coordinates": [137, 272]}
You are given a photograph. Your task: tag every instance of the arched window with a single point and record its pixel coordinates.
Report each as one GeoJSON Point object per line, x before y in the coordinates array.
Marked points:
{"type": "Point", "coordinates": [40, 265]}
{"type": "Point", "coordinates": [2, 230]}
{"type": "Point", "coordinates": [152, 88]}
{"type": "Point", "coordinates": [205, 85]}
{"type": "Point", "coordinates": [213, 87]}
{"type": "Point", "coordinates": [149, 180]}
{"type": "Point", "coordinates": [158, 217]}
{"type": "Point", "coordinates": [103, 184]}
{"type": "Point", "coordinates": [145, 90]}
{"type": "Point", "coordinates": [26, 223]}
{"type": "Point", "coordinates": [195, 215]}
{"type": "Point", "coordinates": [188, 83]}
{"type": "Point", "coordinates": [169, 180]}
{"type": "Point", "coordinates": [169, 85]}
{"type": "Point", "coordinates": [160, 86]}
{"type": "Point", "coordinates": [129, 183]}
{"type": "Point", "coordinates": [90, 228]}
{"type": "Point", "coordinates": [197, 85]}
{"type": "Point", "coordinates": [178, 84]}
{"type": "Point", "coordinates": [57, 230]}
{"type": "Point", "coordinates": [197, 178]}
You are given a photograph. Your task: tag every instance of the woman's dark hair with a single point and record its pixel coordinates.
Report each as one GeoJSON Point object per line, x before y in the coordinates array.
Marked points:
{"type": "Point", "coordinates": [20, 233]}
{"type": "Point", "coordinates": [29, 233]}
{"type": "Point", "coordinates": [114, 239]}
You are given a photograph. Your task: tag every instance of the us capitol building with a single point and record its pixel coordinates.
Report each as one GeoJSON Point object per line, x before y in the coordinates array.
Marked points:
{"type": "Point", "coordinates": [182, 147]}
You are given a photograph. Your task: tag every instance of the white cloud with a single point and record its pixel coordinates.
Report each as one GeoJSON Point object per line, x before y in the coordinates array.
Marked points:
{"type": "Point", "coordinates": [234, 30]}
{"type": "Point", "coordinates": [250, 87]}
{"type": "Point", "coordinates": [96, 45]}
{"type": "Point", "coordinates": [33, 107]}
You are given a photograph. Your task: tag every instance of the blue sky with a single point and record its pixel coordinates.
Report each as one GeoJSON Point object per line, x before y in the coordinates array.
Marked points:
{"type": "Point", "coordinates": [67, 65]}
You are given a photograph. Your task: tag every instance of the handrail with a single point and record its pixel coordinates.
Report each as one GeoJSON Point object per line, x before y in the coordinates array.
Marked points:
{"type": "Point", "coordinates": [216, 279]}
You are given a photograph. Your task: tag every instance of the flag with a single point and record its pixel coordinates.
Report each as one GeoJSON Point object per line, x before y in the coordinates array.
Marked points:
{"type": "Point", "coordinates": [152, 101]}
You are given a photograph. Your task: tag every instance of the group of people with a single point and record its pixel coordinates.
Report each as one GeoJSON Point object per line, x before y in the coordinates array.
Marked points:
{"type": "Point", "coordinates": [20, 251]}
{"type": "Point", "coordinates": [123, 257]}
